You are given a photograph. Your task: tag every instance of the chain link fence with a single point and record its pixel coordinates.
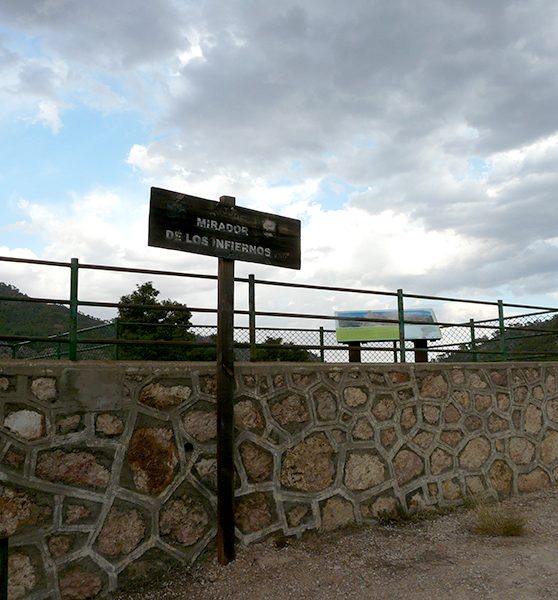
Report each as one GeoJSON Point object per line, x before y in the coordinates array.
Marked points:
{"type": "Point", "coordinates": [524, 333]}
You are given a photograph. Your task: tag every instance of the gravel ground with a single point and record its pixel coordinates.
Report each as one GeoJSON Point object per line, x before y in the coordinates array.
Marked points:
{"type": "Point", "coordinates": [431, 560]}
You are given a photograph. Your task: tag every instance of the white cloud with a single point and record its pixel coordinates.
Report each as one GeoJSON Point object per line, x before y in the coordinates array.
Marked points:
{"type": "Point", "coordinates": [48, 115]}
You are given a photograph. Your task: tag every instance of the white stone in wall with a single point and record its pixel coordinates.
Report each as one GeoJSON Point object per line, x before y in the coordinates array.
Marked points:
{"type": "Point", "coordinates": [28, 424]}
{"type": "Point", "coordinates": [44, 388]}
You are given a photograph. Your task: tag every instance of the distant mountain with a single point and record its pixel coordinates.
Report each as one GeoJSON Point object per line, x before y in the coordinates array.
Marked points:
{"type": "Point", "coordinates": [536, 340]}
{"type": "Point", "coordinates": [34, 319]}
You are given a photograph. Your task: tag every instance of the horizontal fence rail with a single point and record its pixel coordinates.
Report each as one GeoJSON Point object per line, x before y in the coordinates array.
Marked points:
{"type": "Point", "coordinates": [516, 332]}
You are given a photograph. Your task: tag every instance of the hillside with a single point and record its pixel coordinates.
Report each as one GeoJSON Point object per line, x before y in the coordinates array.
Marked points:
{"type": "Point", "coordinates": [18, 317]}
{"type": "Point", "coordinates": [537, 340]}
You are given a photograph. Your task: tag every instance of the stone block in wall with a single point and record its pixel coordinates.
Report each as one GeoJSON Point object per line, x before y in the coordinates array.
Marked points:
{"type": "Point", "coordinates": [297, 514]}
{"type": "Point", "coordinates": [44, 389]}
{"type": "Point", "coordinates": [406, 394]}
{"type": "Point", "coordinates": [407, 465]}
{"type": "Point", "coordinates": [440, 461]}
{"type": "Point", "coordinates": [153, 459]}
{"type": "Point", "coordinates": [432, 385]}
{"type": "Point", "coordinates": [257, 462]}
{"type": "Point", "coordinates": [7, 383]}
{"type": "Point", "coordinates": [21, 510]}
{"type": "Point", "coordinates": [423, 439]}
{"type": "Point", "coordinates": [14, 458]}
{"type": "Point", "coordinates": [81, 581]}
{"type": "Point", "coordinates": [25, 423]}
{"type": "Point", "coordinates": [326, 404]}
{"type": "Point", "coordinates": [164, 396]}
{"type": "Point", "coordinates": [205, 470]}
{"type": "Point", "coordinates": [184, 519]}
{"type": "Point", "coordinates": [247, 415]}
{"type": "Point", "coordinates": [451, 490]}
{"type": "Point", "coordinates": [254, 512]}
{"type": "Point", "coordinates": [431, 414]}
{"type": "Point", "coordinates": [408, 418]}
{"type": "Point", "coordinates": [59, 545]}
{"type": "Point", "coordinates": [483, 402]}
{"type": "Point", "coordinates": [383, 407]}
{"type": "Point", "coordinates": [78, 467]}
{"type": "Point", "coordinates": [379, 506]}
{"type": "Point", "coordinates": [23, 574]}
{"type": "Point", "coordinates": [201, 423]}
{"type": "Point", "coordinates": [501, 477]}
{"type": "Point", "coordinates": [451, 438]}
{"type": "Point", "coordinates": [475, 453]}
{"type": "Point", "coordinates": [497, 424]}
{"type": "Point", "coordinates": [108, 425]}
{"type": "Point", "coordinates": [473, 423]}
{"type": "Point", "coordinates": [303, 379]}
{"type": "Point", "coordinates": [463, 398]}
{"type": "Point", "coordinates": [399, 377]}
{"type": "Point", "coordinates": [364, 470]}
{"type": "Point", "coordinates": [123, 530]}
{"type": "Point", "coordinates": [537, 479]}
{"type": "Point", "coordinates": [362, 429]}
{"type": "Point", "coordinates": [451, 414]}
{"type": "Point", "coordinates": [521, 450]}
{"type": "Point", "coordinates": [309, 465]}
{"type": "Point", "coordinates": [549, 447]}
{"type": "Point", "coordinates": [80, 512]}
{"type": "Point", "coordinates": [290, 411]}
{"type": "Point", "coordinates": [520, 394]}
{"type": "Point", "coordinates": [503, 401]}
{"type": "Point", "coordinates": [208, 384]}
{"type": "Point", "coordinates": [336, 512]}
{"type": "Point", "coordinates": [151, 566]}
{"type": "Point", "coordinates": [92, 388]}
{"type": "Point", "coordinates": [533, 419]}
{"type": "Point", "coordinates": [69, 423]}
{"type": "Point", "coordinates": [477, 379]}
{"type": "Point", "coordinates": [388, 437]}
{"type": "Point", "coordinates": [355, 396]}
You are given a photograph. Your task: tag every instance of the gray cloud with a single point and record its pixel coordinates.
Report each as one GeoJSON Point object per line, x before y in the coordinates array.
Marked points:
{"type": "Point", "coordinates": [102, 34]}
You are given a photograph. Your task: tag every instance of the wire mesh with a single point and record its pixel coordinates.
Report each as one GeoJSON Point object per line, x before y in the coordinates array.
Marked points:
{"type": "Point", "coordinates": [530, 333]}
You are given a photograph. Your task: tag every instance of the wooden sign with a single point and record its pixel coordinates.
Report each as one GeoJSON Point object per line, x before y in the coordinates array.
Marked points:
{"type": "Point", "coordinates": [190, 224]}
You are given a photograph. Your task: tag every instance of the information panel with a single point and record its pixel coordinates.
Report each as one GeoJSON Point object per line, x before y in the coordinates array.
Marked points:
{"type": "Point", "coordinates": [190, 224]}
{"type": "Point", "coordinates": [424, 328]}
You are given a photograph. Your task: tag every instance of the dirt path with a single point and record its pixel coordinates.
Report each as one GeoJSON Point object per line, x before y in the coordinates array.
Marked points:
{"type": "Point", "coordinates": [432, 560]}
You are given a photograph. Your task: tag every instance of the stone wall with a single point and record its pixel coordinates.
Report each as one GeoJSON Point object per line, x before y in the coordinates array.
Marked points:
{"type": "Point", "coordinates": [107, 470]}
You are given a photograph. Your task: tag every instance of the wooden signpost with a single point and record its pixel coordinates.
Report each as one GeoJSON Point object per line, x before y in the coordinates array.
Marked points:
{"type": "Point", "coordinates": [222, 229]}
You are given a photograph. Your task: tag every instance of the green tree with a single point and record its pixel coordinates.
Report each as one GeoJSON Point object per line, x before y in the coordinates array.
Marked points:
{"type": "Point", "coordinates": [282, 352]}
{"type": "Point", "coordinates": [145, 317]}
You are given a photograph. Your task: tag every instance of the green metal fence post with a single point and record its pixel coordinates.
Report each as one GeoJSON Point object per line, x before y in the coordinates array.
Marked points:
{"type": "Point", "coordinates": [74, 268]}
{"type": "Point", "coordinates": [473, 340]}
{"type": "Point", "coordinates": [117, 335]}
{"type": "Point", "coordinates": [502, 326]}
{"type": "Point", "coordinates": [322, 352]}
{"type": "Point", "coordinates": [401, 316]}
{"type": "Point", "coordinates": [252, 316]}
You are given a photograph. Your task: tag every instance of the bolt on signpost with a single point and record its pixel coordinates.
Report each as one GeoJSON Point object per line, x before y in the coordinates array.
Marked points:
{"type": "Point", "coordinates": [222, 229]}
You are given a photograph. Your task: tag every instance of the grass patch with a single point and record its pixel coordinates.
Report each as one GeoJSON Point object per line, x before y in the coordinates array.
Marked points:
{"type": "Point", "coordinates": [401, 517]}
{"type": "Point", "coordinates": [496, 520]}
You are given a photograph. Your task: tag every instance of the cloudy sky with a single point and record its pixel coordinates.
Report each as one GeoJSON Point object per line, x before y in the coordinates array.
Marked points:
{"type": "Point", "coordinates": [417, 140]}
